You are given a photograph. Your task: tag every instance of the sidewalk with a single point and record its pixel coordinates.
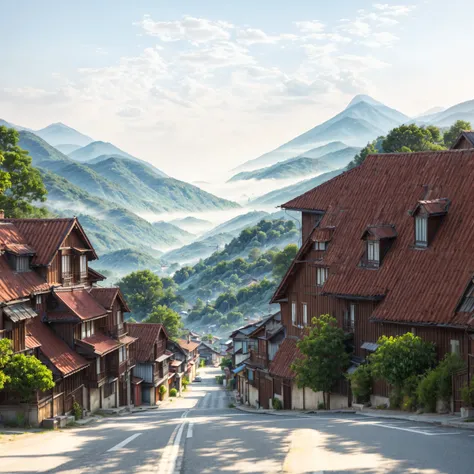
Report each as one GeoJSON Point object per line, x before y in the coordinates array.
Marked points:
{"type": "Point", "coordinates": [431, 418]}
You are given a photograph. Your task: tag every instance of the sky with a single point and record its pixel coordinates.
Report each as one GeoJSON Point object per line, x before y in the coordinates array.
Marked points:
{"type": "Point", "coordinates": [197, 88]}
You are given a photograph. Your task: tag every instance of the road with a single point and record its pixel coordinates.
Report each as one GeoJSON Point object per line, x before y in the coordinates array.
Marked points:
{"type": "Point", "coordinates": [200, 434]}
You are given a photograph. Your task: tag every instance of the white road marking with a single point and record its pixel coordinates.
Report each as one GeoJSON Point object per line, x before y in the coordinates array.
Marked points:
{"type": "Point", "coordinates": [190, 431]}
{"type": "Point", "coordinates": [417, 431]}
{"type": "Point", "coordinates": [124, 442]}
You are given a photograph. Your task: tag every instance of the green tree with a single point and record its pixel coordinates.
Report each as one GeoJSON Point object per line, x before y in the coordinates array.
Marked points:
{"type": "Point", "coordinates": [369, 149]}
{"type": "Point", "coordinates": [27, 375]}
{"type": "Point", "coordinates": [226, 362]}
{"type": "Point", "coordinates": [451, 135]}
{"type": "Point", "coordinates": [323, 357]}
{"type": "Point", "coordinates": [166, 316]}
{"type": "Point", "coordinates": [254, 254]}
{"type": "Point", "coordinates": [400, 358]}
{"type": "Point", "coordinates": [143, 290]}
{"type": "Point", "coordinates": [283, 259]}
{"type": "Point", "coordinates": [20, 183]}
{"type": "Point", "coordinates": [199, 305]}
{"type": "Point", "coordinates": [412, 138]}
{"type": "Point", "coordinates": [5, 355]}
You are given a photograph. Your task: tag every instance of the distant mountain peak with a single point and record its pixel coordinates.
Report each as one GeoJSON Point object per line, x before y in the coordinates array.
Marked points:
{"type": "Point", "coordinates": [363, 98]}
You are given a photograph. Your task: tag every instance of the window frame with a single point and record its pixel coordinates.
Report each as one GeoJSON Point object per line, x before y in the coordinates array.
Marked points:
{"type": "Point", "coordinates": [320, 246]}
{"type": "Point", "coordinates": [305, 313]}
{"type": "Point", "coordinates": [373, 252]}
{"type": "Point", "coordinates": [293, 313]}
{"type": "Point", "coordinates": [455, 344]}
{"type": "Point", "coordinates": [421, 231]}
{"type": "Point", "coordinates": [322, 274]}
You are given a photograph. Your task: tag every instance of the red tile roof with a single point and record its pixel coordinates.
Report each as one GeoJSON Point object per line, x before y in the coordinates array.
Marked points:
{"type": "Point", "coordinates": [381, 231]}
{"type": "Point", "coordinates": [127, 339]}
{"type": "Point", "coordinates": [284, 358]}
{"type": "Point", "coordinates": [147, 334]}
{"type": "Point", "coordinates": [100, 344]}
{"type": "Point", "coordinates": [14, 285]}
{"type": "Point", "coordinates": [54, 349]}
{"type": "Point", "coordinates": [422, 286]}
{"type": "Point", "coordinates": [106, 296]}
{"type": "Point", "coordinates": [81, 304]}
{"type": "Point", "coordinates": [47, 235]}
{"type": "Point", "coordinates": [322, 234]}
{"type": "Point", "coordinates": [188, 346]}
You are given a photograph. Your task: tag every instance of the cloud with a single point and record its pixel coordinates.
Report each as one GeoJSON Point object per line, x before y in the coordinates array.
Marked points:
{"type": "Point", "coordinates": [381, 39]}
{"type": "Point", "coordinates": [361, 63]}
{"type": "Point", "coordinates": [394, 10]}
{"type": "Point", "coordinates": [310, 27]}
{"type": "Point", "coordinates": [195, 30]}
{"type": "Point", "coordinates": [356, 27]}
{"type": "Point", "coordinates": [218, 55]}
{"type": "Point", "coordinates": [251, 36]}
{"type": "Point", "coordinates": [129, 112]}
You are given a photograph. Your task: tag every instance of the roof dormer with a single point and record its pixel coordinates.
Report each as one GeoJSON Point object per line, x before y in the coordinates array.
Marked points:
{"type": "Point", "coordinates": [428, 216]}
{"type": "Point", "coordinates": [321, 237]}
{"type": "Point", "coordinates": [377, 240]}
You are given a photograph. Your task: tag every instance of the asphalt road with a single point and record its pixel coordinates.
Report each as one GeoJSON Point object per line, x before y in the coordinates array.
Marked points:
{"type": "Point", "coordinates": [199, 434]}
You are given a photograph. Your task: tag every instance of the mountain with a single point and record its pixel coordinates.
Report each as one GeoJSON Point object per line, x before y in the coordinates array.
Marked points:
{"type": "Point", "coordinates": [280, 196]}
{"type": "Point", "coordinates": [196, 251]}
{"type": "Point", "coordinates": [361, 121]}
{"type": "Point", "coordinates": [320, 151]}
{"type": "Point", "coordinates": [301, 166]}
{"type": "Point", "coordinates": [192, 224]}
{"type": "Point", "coordinates": [108, 226]}
{"type": "Point", "coordinates": [67, 148]}
{"type": "Point", "coordinates": [122, 262]}
{"type": "Point", "coordinates": [446, 118]}
{"type": "Point", "coordinates": [11, 125]}
{"type": "Point", "coordinates": [174, 232]}
{"type": "Point", "coordinates": [118, 180]}
{"type": "Point", "coordinates": [58, 133]}
{"type": "Point", "coordinates": [168, 194]}
{"type": "Point", "coordinates": [237, 224]}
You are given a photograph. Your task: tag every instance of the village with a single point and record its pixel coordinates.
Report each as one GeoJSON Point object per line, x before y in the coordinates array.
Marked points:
{"type": "Point", "coordinates": [386, 258]}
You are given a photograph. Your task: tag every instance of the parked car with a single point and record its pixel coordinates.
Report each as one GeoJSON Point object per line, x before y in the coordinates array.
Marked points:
{"type": "Point", "coordinates": [198, 379]}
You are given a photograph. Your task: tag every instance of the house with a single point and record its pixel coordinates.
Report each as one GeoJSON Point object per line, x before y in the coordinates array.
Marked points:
{"type": "Point", "coordinates": [241, 343]}
{"type": "Point", "coordinates": [254, 384]}
{"type": "Point", "coordinates": [177, 365]}
{"type": "Point", "coordinates": [465, 141]}
{"type": "Point", "coordinates": [152, 361]}
{"type": "Point", "coordinates": [51, 307]}
{"type": "Point", "coordinates": [192, 357]}
{"type": "Point", "coordinates": [209, 354]}
{"type": "Point", "coordinates": [388, 247]}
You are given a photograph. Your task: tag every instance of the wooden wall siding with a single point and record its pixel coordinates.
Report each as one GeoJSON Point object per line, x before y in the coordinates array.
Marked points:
{"type": "Point", "coordinates": [18, 336]}
{"type": "Point", "coordinates": [67, 332]}
{"type": "Point", "coordinates": [464, 144]}
{"type": "Point", "coordinates": [54, 270]}
{"type": "Point", "coordinates": [308, 223]}
{"type": "Point", "coordinates": [74, 240]}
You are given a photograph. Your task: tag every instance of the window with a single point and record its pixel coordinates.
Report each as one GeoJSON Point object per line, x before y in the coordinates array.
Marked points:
{"type": "Point", "coordinates": [293, 313]}
{"type": "Point", "coordinates": [87, 329]}
{"type": "Point", "coordinates": [22, 264]}
{"type": "Point", "coordinates": [373, 251]}
{"type": "Point", "coordinates": [66, 265]}
{"type": "Point", "coordinates": [245, 347]}
{"type": "Point", "coordinates": [352, 313]}
{"type": "Point", "coordinates": [320, 246]}
{"type": "Point", "coordinates": [97, 365]}
{"type": "Point", "coordinates": [321, 276]}
{"type": "Point", "coordinates": [38, 300]}
{"type": "Point", "coordinates": [118, 317]}
{"type": "Point", "coordinates": [122, 354]}
{"type": "Point", "coordinates": [455, 346]}
{"type": "Point", "coordinates": [305, 314]}
{"type": "Point", "coordinates": [421, 231]}
{"type": "Point", "coordinates": [83, 265]}
{"type": "Point", "coordinates": [250, 375]}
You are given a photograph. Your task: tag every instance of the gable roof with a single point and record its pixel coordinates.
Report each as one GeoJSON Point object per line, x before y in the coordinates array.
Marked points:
{"type": "Point", "coordinates": [47, 235]}
{"type": "Point", "coordinates": [94, 275]}
{"type": "Point", "coordinates": [81, 304]}
{"type": "Point", "coordinates": [287, 353]}
{"type": "Point", "coordinates": [417, 286]}
{"type": "Point", "coordinates": [106, 297]}
{"type": "Point", "coordinates": [55, 349]}
{"type": "Point", "coordinates": [100, 344]}
{"type": "Point", "coordinates": [147, 334]}
{"type": "Point", "coordinates": [188, 346]}
{"type": "Point", "coordinates": [466, 134]}
{"type": "Point", "coordinates": [17, 285]}
{"type": "Point", "coordinates": [208, 347]}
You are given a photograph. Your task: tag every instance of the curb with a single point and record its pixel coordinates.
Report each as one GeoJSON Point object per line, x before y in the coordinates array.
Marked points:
{"type": "Point", "coordinates": [301, 414]}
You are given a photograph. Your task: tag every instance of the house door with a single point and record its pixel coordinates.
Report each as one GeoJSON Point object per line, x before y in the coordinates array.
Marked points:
{"type": "Point", "coordinates": [286, 395]}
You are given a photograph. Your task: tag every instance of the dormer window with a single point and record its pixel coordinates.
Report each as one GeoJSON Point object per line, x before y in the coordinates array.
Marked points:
{"type": "Point", "coordinates": [321, 237]}
{"type": "Point", "coordinates": [22, 263]}
{"type": "Point", "coordinates": [428, 216]}
{"type": "Point", "coordinates": [320, 246]}
{"type": "Point", "coordinates": [321, 275]}
{"type": "Point", "coordinates": [378, 240]}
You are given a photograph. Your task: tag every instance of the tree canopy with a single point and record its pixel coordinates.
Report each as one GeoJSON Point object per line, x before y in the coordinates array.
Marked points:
{"type": "Point", "coordinates": [283, 259]}
{"type": "Point", "coordinates": [166, 316]}
{"type": "Point", "coordinates": [27, 375]}
{"type": "Point", "coordinates": [323, 357]}
{"type": "Point", "coordinates": [451, 135]}
{"type": "Point", "coordinates": [5, 356]}
{"type": "Point", "coordinates": [20, 182]}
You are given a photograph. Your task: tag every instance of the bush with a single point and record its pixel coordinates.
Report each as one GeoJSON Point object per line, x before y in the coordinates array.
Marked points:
{"type": "Point", "coordinates": [467, 394]}
{"type": "Point", "coordinates": [173, 392]}
{"type": "Point", "coordinates": [427, 391]}
{"type": "Point", "coordinates": [162, 389]}
{"type": "Point", "coordinates": [77, 411]}
{"type": "Point", "coordinates": [395, 398]}
{"type": "Point", "coordinates": [321, 406]}
{"type": "Point", "coordinates": [361, 383]}
{"type": "Point", "coordinates": [276, 404]}
{"type": "Point", "coordinates": [220, 379]}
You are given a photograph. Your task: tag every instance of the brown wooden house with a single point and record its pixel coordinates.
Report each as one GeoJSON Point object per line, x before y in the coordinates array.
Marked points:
{"type": "Point", "coordinates": [152, 361]}
{"type": "Point", "coordinates": [50, 307]}
{"type": "Point", "coordinates": [388, 248]}
{"type": "Point", "coordinates": [192, 357]}
{"type": "Point", "coordinates": [465, 141]}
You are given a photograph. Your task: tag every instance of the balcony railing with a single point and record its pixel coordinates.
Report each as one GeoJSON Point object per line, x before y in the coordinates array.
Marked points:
{"type": "Point", "coordinates": [67, 278]}
{"type": "Point", "coordinates": [82, 277]}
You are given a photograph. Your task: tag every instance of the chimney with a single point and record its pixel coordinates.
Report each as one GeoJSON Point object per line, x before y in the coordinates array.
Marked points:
{"type": "Point", "coordinates": [2, 214]}
{"type": "Point", "coordinates": [189, 338]}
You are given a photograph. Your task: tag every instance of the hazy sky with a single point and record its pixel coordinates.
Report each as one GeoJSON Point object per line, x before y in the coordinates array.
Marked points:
{"type": "Point", "coordinates": [198, 87]}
